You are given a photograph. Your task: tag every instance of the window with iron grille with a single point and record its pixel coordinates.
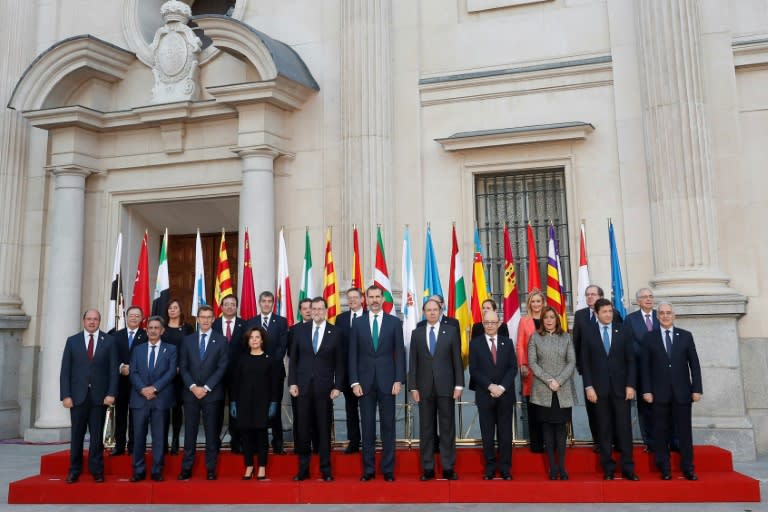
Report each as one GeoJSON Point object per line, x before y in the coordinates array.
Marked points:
{"type": "Point", "coordinates": [517, 198]}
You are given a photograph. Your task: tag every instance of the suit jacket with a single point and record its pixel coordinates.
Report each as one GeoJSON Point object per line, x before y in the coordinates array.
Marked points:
{"type": "Point", "coordinates": [479, 330]}
{"type": "Point", "coordinates": [670, 378]}
{"type": "Point", "coordinates": [582, 323]}
{"type": "Point", "coordinates": [121, 341]}
{"type": "Point", "coordinates": [77, 373]}
{"type": "Point", "coordinates": [325, 369]}
{"type": "Point", "coordinates": [382, 367]}
{"type": "Point", "coordinates": [635, 325]}
{"type": "Point", "coordinates": [440, 373]}
{"type": "Point", "coordinates": [161, 376]}
{"type": "Point", "coordinates": [552, 357]}
{"type": "Point", "coordinates": [482, 371]}
{"type": "Point", "coordinates": [612, 372]}
{"type": "Point", "coordinates": [207, 372]}
{"type": "Point", "coordinates": [277, 334]}
{"type": "Point", "coordinates": [236, 344]}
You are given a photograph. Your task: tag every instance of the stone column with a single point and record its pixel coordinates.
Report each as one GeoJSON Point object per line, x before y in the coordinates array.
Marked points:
{"type": "Point", "coordinates": [366, 102]}
{"type": "Point", "coordinates": [684, 216]}
{"type": "Point", "coordinates": [257, 213]}
{"type": "Point", "coordinates": [63, 296]}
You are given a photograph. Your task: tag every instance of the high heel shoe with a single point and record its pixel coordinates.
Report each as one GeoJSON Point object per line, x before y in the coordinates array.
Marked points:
{"type": "Point", "coordinates": [563, 475]}
{"type": "Point", "coordinates": [262, 476]}
{"type": "Point", "coordinates": [248, 474]}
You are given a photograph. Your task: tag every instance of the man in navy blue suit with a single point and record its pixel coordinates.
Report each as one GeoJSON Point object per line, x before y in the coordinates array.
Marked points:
{"type": "Point", "coordinates": [344, 324]}
{"type": "Point", "coordinates": [203, 365]}
{"type": "Point", "coordinates": [125, 340]}
{"type": "Point", "coordinates": [377, 372]}
{"type": "Point", "coordinates": [671, 383]}
{"type": "Point", "coordinates": [231, 327]}
{"type": "Point", "coordinates": [88, 383]}
{"type": "Point", "coordinates": [153, 367]}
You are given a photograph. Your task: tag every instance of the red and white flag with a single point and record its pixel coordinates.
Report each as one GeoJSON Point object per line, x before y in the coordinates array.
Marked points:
{"type": "Point", "coordinates": [583, 280]}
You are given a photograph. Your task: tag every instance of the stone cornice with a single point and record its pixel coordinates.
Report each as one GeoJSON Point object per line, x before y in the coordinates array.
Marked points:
{"type": "Point", "coordinates": [262, 150]}
{"type": "Point", "coordinates": [518, 135]}
{"type": "Point", "coordinates": [753, 52]}
{"type": "Point", "coordinates": [707, 305]}
{"type": "Point", "coordinates": [281, 92]}
{"type": "Point", "coordinates": [498, 83]}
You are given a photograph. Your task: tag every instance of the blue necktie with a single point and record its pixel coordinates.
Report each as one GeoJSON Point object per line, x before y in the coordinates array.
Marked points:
{"type": "Point", "coordinates": [668, 343]}
{"type": "Point", "coordinates": [316, 338]}
{"type": "Point", "coordinates": [152, 357]}
{"type": "Point", "coordinates": [432, 340]}
{"type": "Point", "coordinates": [130, 339]}
{"type": "Point", "coordinates": [606, 340]}
{"type": "Point", "coordinates": [375, 332]}
{"type": "Point", "coordinates": [202, 346]}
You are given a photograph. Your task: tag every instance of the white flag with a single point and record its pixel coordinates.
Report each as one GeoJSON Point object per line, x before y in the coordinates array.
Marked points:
{"type": "Point", "coordinates": [198, 297]}
{"type": "Point", "coordinates": [408, 306]}
{"type": "Point", "coordinates": [583, 281]}
{"type": "Point", "coordinates": [115, 304]}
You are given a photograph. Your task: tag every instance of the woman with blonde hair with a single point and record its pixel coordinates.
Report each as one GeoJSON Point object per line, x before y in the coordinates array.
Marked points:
{"type": "Point", "coordinates": [529, 324]}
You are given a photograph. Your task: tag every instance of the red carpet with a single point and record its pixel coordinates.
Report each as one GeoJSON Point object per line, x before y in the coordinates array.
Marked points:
{"type": "Point", "coordinates": [717, 482]}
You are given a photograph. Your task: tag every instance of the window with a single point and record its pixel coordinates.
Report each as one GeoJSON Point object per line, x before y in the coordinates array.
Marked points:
{"type": "Point", "coordinates": [213, 7]}
{"type": "Point", "coordinates": [517, 198]}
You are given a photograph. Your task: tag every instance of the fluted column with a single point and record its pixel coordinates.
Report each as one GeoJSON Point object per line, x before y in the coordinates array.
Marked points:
{"type": "Point", "coordinates": [366, 99]}
{"type": "Point", "coordinates": [63, 290]}
{"type": "Point", "coordinates": [684, 216]}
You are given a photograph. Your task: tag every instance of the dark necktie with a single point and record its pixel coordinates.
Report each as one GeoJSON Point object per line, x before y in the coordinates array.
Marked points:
{"type": "Point", "coordinates": [606, 340]}
{"type": "Point", "coordinates": [316, 338]}
{"type": "Point", "coordinates": [668, 343]}
{"type": "Point", "coordinates": [354, 317]}
{"type": "Point", "coordinates": [152, 357]}
{"type": "Point", "coordinates": [432, 340]}
{"type": "Point", "coordinates": [90, 347]}
{"type": "Point", "coordinates": [375, 332]}
{"type": "Point", "coordinates": [592, 317]}
{"type": "Point", "coordinates": [229, 330]}
{"type": "Point", "coordinates": [493, 350]}
{"type": "Point", "coordinates": [648, 322]}
{"type": "Point", "coordinates": [265, 322]}
{"type": "Point", "coordinates": [202, 346]}
{"type": "Point", "coordinates": [130, 339]}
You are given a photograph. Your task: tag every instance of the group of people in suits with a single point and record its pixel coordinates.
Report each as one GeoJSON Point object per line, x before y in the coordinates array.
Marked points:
{"type": "Point", "coordinates": [146, 372]}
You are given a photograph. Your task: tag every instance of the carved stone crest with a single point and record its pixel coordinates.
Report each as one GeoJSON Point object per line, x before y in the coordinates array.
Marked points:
{"type": "Point", "coordinates": [175, 51]}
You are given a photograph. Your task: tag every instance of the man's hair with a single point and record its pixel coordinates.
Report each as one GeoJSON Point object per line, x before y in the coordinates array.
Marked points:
{"type": "Point", "coordinates": [601, 303]}
{"type": "Point", "coordinates": [355, 289]}
{"type": "Point", "coordinates": [600, 291]}
{"type": "Point", "coordinates": [492, 302]}
{"type": "Point", "coordinates": [374, 287]}
{"type": "Point", "coordinates": [305, 300]}
{"type": "Point", "coordinates": [424, 306]}
{"type": "Point", "coordinates": [641, 290]}
{"type": "Point", "coordinates": [156, 318]}
{"type": "Point", "coordinates": [85, 313]}
{"type": "Point", "coordinates": [320, 299]}
{"type": "Point", "coordinates": [230, 296]}
{"type": "Point", "coordinates": [134, 307]}
{"type": "Point", "coordinates": [205, 307]}
{"type": "Point", "coordinates": [266, 294]}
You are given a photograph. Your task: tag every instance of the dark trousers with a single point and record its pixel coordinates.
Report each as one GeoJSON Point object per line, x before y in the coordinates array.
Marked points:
{"type": "Point", "coordinates": [535, 438]}
{"type": "Point", "coordinates": [668, 417]}
{"type": "Point", "coordinates": [554, 441]}
{"type": "Point", "coordinates": [254, 441]}
{"type": "Point", "coordinates": [87, 416]}
{"type": "Point", "coordinates": [593, 421]}
{"type": "Point", "coordinates": [276, 423]}
{"type": "Point", "coordinates": [385, 403]}
{"type": "Point", "coordinates": [144, 419]}
{"type": "Point", "coordinates": [211, 413]}
{"type": "Point", "coordinates": [645, 419]}
{"type": "Point", "coordinates": [614, 425]}
{"type": "Point", "coordinates": [352, 408]}
{"type": "Point", "coordinates": [174, 420]}
{"type": "Point", "coordinates": [434, 410]}
{"type": "Point", "coordinates": [314, 407]}
{"type": "Point", "coordinates": [123, 423]}
{"type": "Point", "coordinates": [496, 416]}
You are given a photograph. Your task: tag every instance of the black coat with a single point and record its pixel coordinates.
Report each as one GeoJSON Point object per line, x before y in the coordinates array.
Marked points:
{"type": "Point", "coordinates": [257, 382]}
{"type": "Point", "coordinates": [608, 373]}
{"type": "Point", "coordinates": [482, 371]}
{"type": "Point", "coordinates": [323, 371]}
{"type": "Point", "coordinates": [437, 374]}
{"type": "Point", "coordinates": [672, 378]}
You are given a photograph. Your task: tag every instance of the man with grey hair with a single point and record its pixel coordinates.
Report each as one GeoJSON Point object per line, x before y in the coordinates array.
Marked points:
{"type": "Point", "coordinates": [638, 324]}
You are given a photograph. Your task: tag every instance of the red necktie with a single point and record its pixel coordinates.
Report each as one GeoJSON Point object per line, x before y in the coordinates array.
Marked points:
{"type": "Point", "coordinates": [229, 330]}
{"type": "Point", "coordinates": [493, 350]}
{"type": "Point", "coordinates": [90, 347]}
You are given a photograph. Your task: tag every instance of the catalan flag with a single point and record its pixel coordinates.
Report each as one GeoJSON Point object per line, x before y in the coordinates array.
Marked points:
{"type": "Point", "coordinates": [223, 286]}
{"type": "Point", "coordinates": [555, 291]}
{"type": "Point", "coordinates": [330, 289]}
{"type": "Point", "coordinates": [511, 298]}
{"type": "Point", "coordinates": [534, 281]}
{"type": "Point", "coordinates": [357, 266]}
{"type": "Point", "coordinates": [480, 290]}
{"type": "Point", "coordinates": [248, 294]}
{"type": "Point", "coordinates": [457, 298]}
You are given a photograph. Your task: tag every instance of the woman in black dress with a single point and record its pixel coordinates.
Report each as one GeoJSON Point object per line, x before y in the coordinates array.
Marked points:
{"type": "Point", "coordinates": [256, 388]}
{"type": "Point", "coordinates": [175, 330]}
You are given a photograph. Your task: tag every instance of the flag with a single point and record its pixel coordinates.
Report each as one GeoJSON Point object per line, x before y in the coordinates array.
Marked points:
{"type": "Point", "coordinates": [357, 267]}
{"type": "Point", "coordinates": [330, 288]}
{"type": "Point", "coordinates": [141, 283]}
{"type": "Point", "coordinates": [116, 319]}
{"type": "Point", "coordinates": [479, 284]}
{"type": "Point", "coordinates": [198, 294]}
{"type": "Point", "coordinates": [555, 290]}
{"type": "Point", "coordinates": [617, 287]}
{"type": "Point", "coordinates": [583, 282]}
{"type": "Point", "coordinates": [457, 298]}
{"type": "Point", "coordinates": [248, 293]}
{"type": "Point", "coordinates": [408, 307]}
{"type": "Point", "coordinates": [223, 286]}
{"type": "Point", "coordinates": [534, 281]}
{"type": "Point", "coordinates": [381, 275]}
{"type": "Point", "coordinates": [283, 301]}
{"type": "Point", "coordinates": [431, 275]}
{"type": "Point", "coordinates": [511, 303]}
{"type": "Point", "coordinates": [162, 285]}
{"type": "Point", "coordinates": [307, 289]}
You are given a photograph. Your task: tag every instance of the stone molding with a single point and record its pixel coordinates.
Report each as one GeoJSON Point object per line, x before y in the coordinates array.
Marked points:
{"type": "Point", "coordinates": [753, 52]}
{"type": "Point", "coordinates": [280, 92]}
{"type": "Point", "coordinates": [487, 5]}
{"type": "Point", "coordinates": [576, 130]}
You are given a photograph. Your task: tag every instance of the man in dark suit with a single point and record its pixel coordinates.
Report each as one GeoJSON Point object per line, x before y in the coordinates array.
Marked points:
{"type": "Point", "coordinates": [376, 373]}
{"type": "Point", "coordinates": [305, 311]}
{"type": "Point", "coordinates": [231, 327]}
{"type": "Point", "coordinates": [671, 383]}
{"type": "Point", "coordinates": [277, 343]}
{"type": "Point", "coordinates": [638, 324]}
{"type": "Point", "coordinates": [203, 365]}
{"type": "Point", "coordinates": [584, 322]}
{"type": "Point", "coordinates": [88, 383]}
{"type": "Point", "coordinates": [492, 371]}
{"type": "Point", "coordinates": [436, 380]}
{"type": "Point", "coordinates": [126, 339]}
{"type": "Point", "coordinates": [344, 324]}
{"type": "Point", "coordinates": [479, 330]}
{"type": "Point", "coordinates": [315, 379]}
{"type": "Point", "coordinates": [609, 373]}
{"type": "Point", "coordinates": [153, 367]}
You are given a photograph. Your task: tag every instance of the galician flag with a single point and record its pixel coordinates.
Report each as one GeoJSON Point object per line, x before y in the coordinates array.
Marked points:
{"type": "Point", "coordinates": [583, 281]}
{"type": "Point", "coordinates": [457, 298]}
{"type": "Point", "coordinates": [223, 286]}
{"type": "Point", "coordinates": [555, 289]}
{"type": "Point", "coordinates": [330, 288]}
{"type": "Point", "coordinates": [141, 283]}
{"type": "Point", "coordinates": [307, 289]}
{"type": "Point", "coordinates": [198, 293]}
{"type": "Point", "coordinates": [381, 274]}
{"type": "Point", "coordinates": [116, 318]}
{"type": "Point", "coordinates": [283, 302]}
{"type": "Point", "coordinates": [511, 303]}
{"type": "Point", "coordinates": [162, 284]}
{"type": "Point", "coordinates": [480, 291]}
{"type": "Point", "coordinates": [408, 307]}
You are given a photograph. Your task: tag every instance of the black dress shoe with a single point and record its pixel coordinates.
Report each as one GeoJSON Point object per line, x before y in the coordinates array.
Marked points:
{"type": "Point", "coordinates": [117, 451]}
{"type": "Point", "coordinates": [553, 474]}
{"type": "Point", "coordinates": [98, 478]}
{"type": "Point", "coordinates": [72, 477]}
{"type": "Point", "coordinates": [367, 477]}
{"type": "Point", "coordinates": [157, 477]}
{"type": "Point", "coordinates": [506, 476]}
{"type": "Point", "coordinates": [427, 475]}
{"type": "Point", "coordinates": [595, 448]}
{"type": "Point", "coordinates": [175, 447]}
{"type": "Point", "coordinates": [301, 475]}
{"type": "Point", "coordinates": [630, 476]}
{"type": "Point", "coordinates": [327, 478]}
{"type": "Point", "coordinates": [389, 477]}
{"type": "Point", "coordinates": [278, 450]}
{"type": "Point", "coordinates": [608, 476]}
{"type": "Point", "coordinates": [351, 449]}
{"type": "Point", "coordinates": [665, 475]}
{"type": "Point", "coordinates": [137, 477]}
{"type": "Point", "coordinates": [647, 449]}
{"type": "Point", "coordinates": [211, 475]}
{"type": "Point", "coordinates": [690, 475]}
{"type": "Point", "coordinates": [450, 475]}
{"type": "Point", "coordinates": [488, 476]}
{"type": "Point", "coordinates": [563, 474]}
{"type": "Point", "coordinates": [236, 450]}
{"type": "Point", "coordinates": [185, 474]}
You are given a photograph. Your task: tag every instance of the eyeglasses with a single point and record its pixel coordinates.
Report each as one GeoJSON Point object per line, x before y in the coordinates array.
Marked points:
{"type": "Point", "coordinates": [488, 322]}
{"type": "Point", "coordinates": [645, 297]}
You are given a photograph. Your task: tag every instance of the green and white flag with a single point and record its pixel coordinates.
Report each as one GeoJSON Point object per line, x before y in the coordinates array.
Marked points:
{"type": "Point", "coordinates": [307, 281]}
{"type": "Point", "coordinates": [162, 285]}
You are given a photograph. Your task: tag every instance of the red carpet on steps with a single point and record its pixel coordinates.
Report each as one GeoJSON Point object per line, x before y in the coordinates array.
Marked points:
{"type": "Point", "coordinates": [717, 482]}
